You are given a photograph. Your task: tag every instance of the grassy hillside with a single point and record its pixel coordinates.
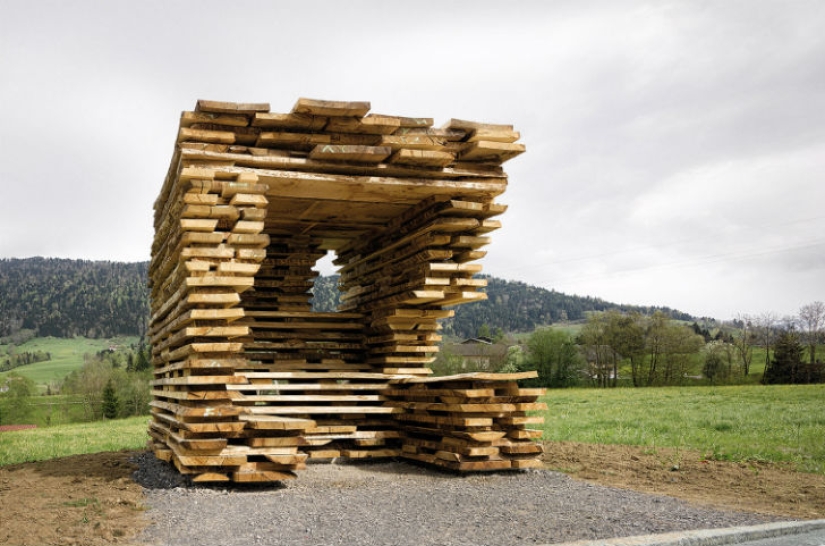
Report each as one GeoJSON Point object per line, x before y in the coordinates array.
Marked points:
{"type": "Point", "coordinates": [67, 356]}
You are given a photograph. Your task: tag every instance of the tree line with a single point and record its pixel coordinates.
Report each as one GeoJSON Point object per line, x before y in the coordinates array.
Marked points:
{"type": "Point", "coordinates": [615, 348]}
{"type": "Point", "coordinates": [15, 359]}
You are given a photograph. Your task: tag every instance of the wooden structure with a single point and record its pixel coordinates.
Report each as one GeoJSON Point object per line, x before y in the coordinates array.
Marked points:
{"type": "Point", "coordinates": [249, 381]}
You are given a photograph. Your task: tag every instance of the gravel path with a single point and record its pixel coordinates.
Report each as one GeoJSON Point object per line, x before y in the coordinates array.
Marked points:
{"type": "Point", "coordinates": [396, 503]}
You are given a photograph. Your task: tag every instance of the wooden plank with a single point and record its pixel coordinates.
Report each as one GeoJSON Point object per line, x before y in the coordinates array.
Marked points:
{"type": "Point", "coordinates": [259, 476]}
{"type": "Point", "coordinates": [314, 398]}
{"type": "Point", "coordinates": [372, 124]}
{"type": "Point", "coordinates": [491, 134]}
{"type": "Point", "coordinates": [422, 158]}
{"type": "Point", "coordinates": [525, 434]}
{"type": "Point", "coordinates": [199, 380]}
{"type": "Point", "coordinates": [370, 453]}
{"type": "Point", "coordinates": [220, 107]}
{"type": "Point", "coordinates": [521, 464]}
{"type": "Point", "coordinates": [471, 376]}
{"type": "Point", "coordinates": [202, 135]}
{"type": "Point", "coordinates": [316, 107]}
{"type": "Point", "coordinates": [304, 122]}
{"type": "Point", "coordinates": [190, 118]}
{"type": "Point", "coordinates": [413, 142]}
{"type": "Point", "coordinates": [310, 387]}
{"type": "Point", "coordinates": [447, 420]}
{"type": "Point", "coordinates": [274, 422]}
{"type": "Point", "coordinates": [333, 317]}
{"type": "Point", "coordinates": [310, 410]}
{"type": "Point", "coordinates": [208, 477]}
{"type": "Point", "coordinates": [279, 441]}
{"type": "Point", "coordinates": [320, 375]}
{"type": "Point", "coordinates": [511, 421]}
{"type": "Point", "coordinates": [211, 411]}
{"type": "Point", "coordinates": [344, 152]}
{"type": "Point", "coordinates": [470, 126]}
{"type": "Point", "coordinates": [193, 396]}
{"type": "Point", "coordinates": [324, 454]}
{"type": "Point", "coordinates": [522, 449]}
{"type": "Point", "coordinates": [490, 151]}
{"type": "Point", "coordinates": [368, 189]}
{"type": "Point", "coordinates": [307, 142]}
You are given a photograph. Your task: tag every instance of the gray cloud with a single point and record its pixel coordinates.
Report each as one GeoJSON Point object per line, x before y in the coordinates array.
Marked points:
{"type": "Point", "coordinates": [674, 148]}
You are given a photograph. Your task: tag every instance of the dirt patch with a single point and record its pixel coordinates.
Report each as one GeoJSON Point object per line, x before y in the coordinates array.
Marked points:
{"type": "Point", "coordinates": [93, 500]}
{"type": "Point", "coordinates": [748, 487]}
{"type": "Point", "coordinates": [11, 428]}
{"type": "Point", "coordinates": [84, 499]}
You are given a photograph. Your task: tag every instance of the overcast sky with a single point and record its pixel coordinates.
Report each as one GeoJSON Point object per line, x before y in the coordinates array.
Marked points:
{"type": "Point", "coordinates": [675, 150]}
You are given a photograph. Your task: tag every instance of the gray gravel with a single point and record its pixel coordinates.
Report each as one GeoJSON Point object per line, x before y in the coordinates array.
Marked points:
{"type": "Point", "coordinates": [399, 504]}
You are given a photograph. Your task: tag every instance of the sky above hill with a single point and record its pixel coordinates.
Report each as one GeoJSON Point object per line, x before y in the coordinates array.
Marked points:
{"type": "Point", "coordinates": [675, 150]}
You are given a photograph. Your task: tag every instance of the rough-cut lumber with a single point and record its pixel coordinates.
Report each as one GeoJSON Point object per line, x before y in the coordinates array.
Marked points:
{"type": "Point", "coordinates": [487, 433]}
{"type": "Point", "coordinates": [249, 382]}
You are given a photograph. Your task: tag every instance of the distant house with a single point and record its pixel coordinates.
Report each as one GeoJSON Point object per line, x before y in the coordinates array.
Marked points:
{"type": "Point", "coordinates": [479, 354]}
{"type": "Point", "coordinates": [483, 340]}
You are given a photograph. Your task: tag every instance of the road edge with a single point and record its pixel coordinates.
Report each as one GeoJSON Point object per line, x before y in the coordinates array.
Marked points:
{"type": "Point", "coordinates": [709, 537]}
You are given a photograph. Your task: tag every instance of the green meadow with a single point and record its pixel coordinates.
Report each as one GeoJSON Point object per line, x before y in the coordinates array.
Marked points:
{"type": "Point", "coordinates": [67, 356]}
{"type": "Point", "coordinates": [46, 443]}
{"type": "Point", "coordinates": [784, 424]}
{"type": "Point", "coordinates": [736, 423]}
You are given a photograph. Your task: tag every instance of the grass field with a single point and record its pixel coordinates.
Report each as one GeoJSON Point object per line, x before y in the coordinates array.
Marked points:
{"type": "Point", "coordinates": [48, 443]}
{"type": "Point", "coordinates": [67, 356]}
{"type": "Point", "coordinates": [741, 423]}
{"type": "Point", "coordinates": [754, 422]}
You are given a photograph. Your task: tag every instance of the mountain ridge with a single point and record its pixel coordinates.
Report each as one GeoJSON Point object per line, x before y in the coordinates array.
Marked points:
{"type": "Point", "coordinates": [63, 297]}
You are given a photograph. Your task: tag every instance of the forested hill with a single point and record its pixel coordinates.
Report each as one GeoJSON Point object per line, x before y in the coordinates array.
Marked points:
{"type": "Point", "coordinates": [515, 306]}
{"type": "Point", "coordinates": [67, 298]}
{"type": "Point", "coordinates": [511, 306]}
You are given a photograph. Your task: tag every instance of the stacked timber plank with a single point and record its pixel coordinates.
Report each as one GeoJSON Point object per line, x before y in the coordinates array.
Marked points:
{"type": "Point", "coordinates": [469, 422]}
{"type": "Point", "coordinates": [249, 381]}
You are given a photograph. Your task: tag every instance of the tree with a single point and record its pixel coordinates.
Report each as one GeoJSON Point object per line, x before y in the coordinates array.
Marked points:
{"type": "Point", "coordinates": [655, 344]}
{"type": "Point", "coordinates": [765, 330]}
{"type": "Point", "coordinates": [142, 359]}
{"type": "Point", "coordinates": [626, 334]}
{"type": "Point", "coordinates": [554, 355]}
{"type": "Point", "coordinates": [15, 401]}
{"type": "Point", "coordinates": [744, 343]}
{"type": "Point", "coordinates": [812, 322]}
{"type": "Point", "coordinates": [602, 359]}
{"type": "Point", "coordinates": [111, 403]}
{"type": "Point", "coordinates": [89, 382]}
{"type": "Point", "coordinates": [787, 360]}
{"type": "Point", "coordinates": [716, 358]}
{"type": "Point", "coordinates": [680, 344]}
